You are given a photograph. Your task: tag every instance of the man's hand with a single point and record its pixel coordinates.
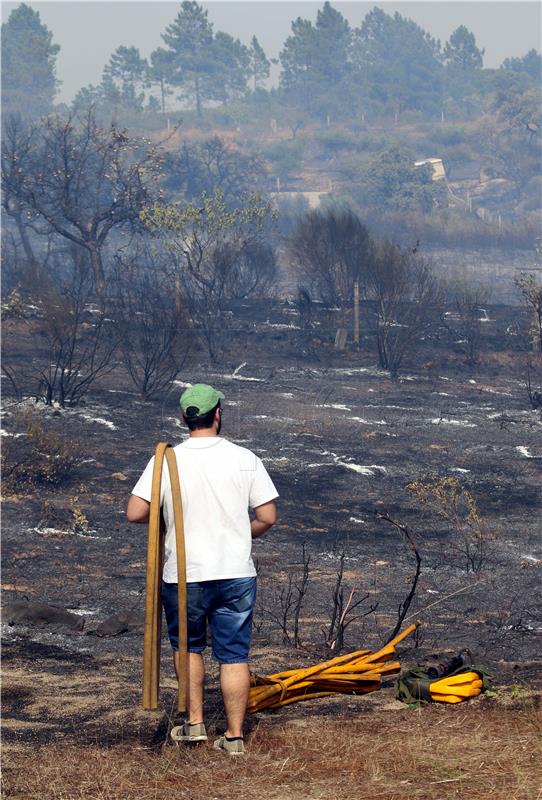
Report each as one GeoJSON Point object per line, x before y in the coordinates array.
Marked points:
{"type": "Point", "coordinates": [138, 509]}
{"type": "Point", "coordinates": [265, 516]}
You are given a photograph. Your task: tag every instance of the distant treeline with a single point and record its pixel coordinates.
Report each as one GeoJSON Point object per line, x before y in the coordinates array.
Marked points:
{"type": "Point", "coordinates": [355, 115]}
{"type": "Point", "coordinates": [389, 65]}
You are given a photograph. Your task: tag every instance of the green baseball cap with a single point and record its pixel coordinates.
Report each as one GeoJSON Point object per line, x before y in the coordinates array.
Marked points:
{"type": "Point", "coordinates": [200, 396]}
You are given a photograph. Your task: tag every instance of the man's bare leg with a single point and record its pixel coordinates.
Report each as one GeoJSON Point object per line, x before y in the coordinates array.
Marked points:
{"type": "Point", "coordinates": [196, 678]}
{"type": "Point", "coordinates": [235, 683]}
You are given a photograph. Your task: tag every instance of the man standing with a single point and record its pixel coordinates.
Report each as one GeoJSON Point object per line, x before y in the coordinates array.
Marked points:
{"type": "Point", "coordinates": [219, 482]}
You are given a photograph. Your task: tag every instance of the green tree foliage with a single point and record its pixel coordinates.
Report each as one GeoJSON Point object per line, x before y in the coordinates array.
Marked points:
{"type": "Point", "coordinates": [464, 62]}
{"type": "Point", "coordinates": [125, 77]}
{"type": "Point", "coordinates": [230, 68]}
{"type": "Point", "coordinates": [531, 64]}
{"type": "Point", "coordinates": [285, 158]}
{"type": "Point", "coordinates": [259, 63]}
{"type": "Point", "coordinates": [159, 73]}
{"type": "Point", "coordinates": [29, 83]}
{"type": "Point", "coordinates": [393, 182]}
{"type": "Point", "coordinates": [397, 64]}
{"type": "Point", "coordinates": [205, 66]}
{"type": "Point", "coordinates": [315, 58]}
{"type": "Point", "coordinates": [461, 51]}
{"type": "Point", "coordinates": [189, 39]}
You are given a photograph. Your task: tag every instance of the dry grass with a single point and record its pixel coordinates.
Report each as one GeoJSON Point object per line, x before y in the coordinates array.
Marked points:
{"type": "Point", "coordinates": [480, 751]}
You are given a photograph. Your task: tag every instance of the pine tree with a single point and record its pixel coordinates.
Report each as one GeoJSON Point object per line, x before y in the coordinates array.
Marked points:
{"type": "Point", "coordinates": [29, 84]}
{"type": "Point", "coordinates": [125, 76]}
{"type": "Point", "coordinates": [189, 39]}
{"type": "Point", "coordinates": [231, 68]}
{"type": "Point", "coordinates": [461, 51]}
{"type": "Point", "coordinates": [316, 54]}
{"type": "Point", "coordinates": [160, 73]}
{"type": "Point", "coordinates": [259, 63]}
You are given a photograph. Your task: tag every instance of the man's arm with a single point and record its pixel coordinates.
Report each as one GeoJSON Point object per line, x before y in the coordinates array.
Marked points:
{"type": "Point", "coordinates": [138, 509]}
{"type": "Point", "coordinates": [264, 517]}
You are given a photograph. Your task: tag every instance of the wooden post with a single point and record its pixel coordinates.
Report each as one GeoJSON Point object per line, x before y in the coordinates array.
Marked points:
{"type": "Point", "coordinates": [356, 312]}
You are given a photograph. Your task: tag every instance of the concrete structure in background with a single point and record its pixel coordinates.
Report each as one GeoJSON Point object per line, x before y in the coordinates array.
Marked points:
{"type": "Point", "coordinates": [439, 173]}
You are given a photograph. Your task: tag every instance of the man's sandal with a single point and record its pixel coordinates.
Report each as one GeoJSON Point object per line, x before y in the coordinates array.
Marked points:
{"type": "Point", "coordinates": [233, 747]}
{"type": "Point", "coordinates": [188, 732]}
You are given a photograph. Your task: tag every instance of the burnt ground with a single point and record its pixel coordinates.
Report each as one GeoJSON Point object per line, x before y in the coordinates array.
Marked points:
{"type": "Point", "coordinates": [341, 440]}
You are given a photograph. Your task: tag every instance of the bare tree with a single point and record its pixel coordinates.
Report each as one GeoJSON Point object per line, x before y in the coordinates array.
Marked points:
{"type": "Point", "coordinates": [212, 165]}
{"type": "Point", "coordinates": [79, 181]}
{"type": "Point", "coordinates": [151, 322]}
{"type": "Point", "coordinates": [465, 323]}
{"type": "Point", "coordinates": [331, 249]}
{"type": "Point", "coordinates": [342, 608]}
{"type": "Point", "coordinates": [73, 341]}
{"type": "Point", "coordinates": [410, 541]}
{"type": "Point", "coordinates": [531, 291]}
{"type": "Point", "coordinates": [290, 601]}
{"type": "Point", "coordinates": [408, 298]}
{"type": "Point", "coordinates": [17, 142]}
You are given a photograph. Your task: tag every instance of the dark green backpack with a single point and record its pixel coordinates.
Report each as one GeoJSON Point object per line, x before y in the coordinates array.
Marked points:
{"type": "Point", "coordinates": [412, 687]}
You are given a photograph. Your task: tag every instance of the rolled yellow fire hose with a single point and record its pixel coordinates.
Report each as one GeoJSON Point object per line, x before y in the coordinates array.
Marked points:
{"type": "Point", "coordinates": [353, 673]}
{"type": "Point", "coordinates": [153, 597]}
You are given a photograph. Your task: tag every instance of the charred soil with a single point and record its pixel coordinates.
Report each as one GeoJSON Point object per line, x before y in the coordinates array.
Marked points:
{"type": "Point", "coordinates": [342, 442]}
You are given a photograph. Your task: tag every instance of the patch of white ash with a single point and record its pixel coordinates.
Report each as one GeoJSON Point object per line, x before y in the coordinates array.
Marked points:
{"type": "Point", "coordinates": [369, 470]}
{"type": "Point", "coordinates": [394, 408]}
{"type": "Point", "coordinates": [357, 520]}
{"type": "Point", "coordinates": [363, 421]}
{"type": "Point", "coordinates": [100, 421]}
{"type": "Point", "coordinates": [459, 469]}
{"type": "Point", "coordinates": [58, 532]}
{"type": "Point", "coordinates": [446, 421]}
{"type": "Point", "coordinates": [236, 377]}
{"type": "Point", "coordinates": [524, 451]}
{"type": "Point", "coordinates": [84, 612]}
{"type": "Point", "coordinates": [338, 406]}
{"type": "Point", "coordinates": [329, 556]}
{"type": "Point", "coordinates": [182, 384]}
{"type": "Point", "coordinates": [374, 372]}
{"type": "Point", "coordinates": [175, 421]}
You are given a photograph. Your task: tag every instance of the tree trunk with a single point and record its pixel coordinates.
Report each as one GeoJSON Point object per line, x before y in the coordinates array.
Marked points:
{"type": "Point", "coordinates": [198, 98]}
{"type": "Point", "coordinates": [27, 247]}
{"type": "Point", "coordinates": [97, 268]}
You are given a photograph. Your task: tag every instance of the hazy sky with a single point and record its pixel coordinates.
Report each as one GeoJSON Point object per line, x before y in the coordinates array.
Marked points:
{"type": "Point", "coordinates": [88, 32]}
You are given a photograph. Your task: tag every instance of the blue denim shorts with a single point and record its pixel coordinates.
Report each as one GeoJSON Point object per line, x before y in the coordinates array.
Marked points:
{"type": "Point", "coordinates": [227, 605]}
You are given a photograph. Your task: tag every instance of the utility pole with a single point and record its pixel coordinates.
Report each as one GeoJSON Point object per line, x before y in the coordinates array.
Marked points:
{"type": "Point", "coordinates": [356, 312]}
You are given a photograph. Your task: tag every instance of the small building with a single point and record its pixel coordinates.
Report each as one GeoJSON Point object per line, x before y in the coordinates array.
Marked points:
{"type": "Point", "coordinates": [439, 173]}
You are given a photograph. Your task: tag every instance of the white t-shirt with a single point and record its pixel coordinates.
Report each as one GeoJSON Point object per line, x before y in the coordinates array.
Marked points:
{"type": "Point", "coordinates": [219, 482]}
